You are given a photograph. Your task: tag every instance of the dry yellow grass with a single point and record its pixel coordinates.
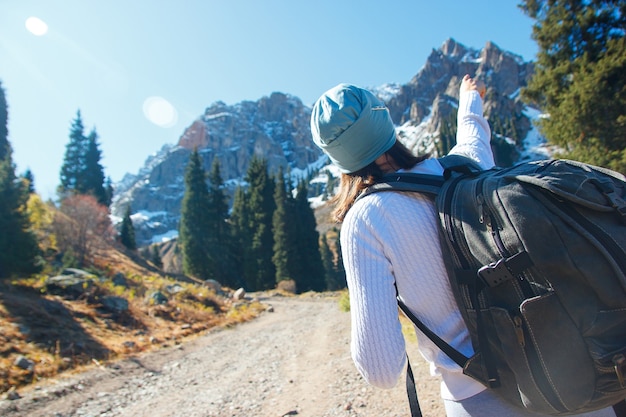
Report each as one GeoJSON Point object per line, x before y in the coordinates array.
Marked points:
{"type": "Point", "coordinates": [63, 335]}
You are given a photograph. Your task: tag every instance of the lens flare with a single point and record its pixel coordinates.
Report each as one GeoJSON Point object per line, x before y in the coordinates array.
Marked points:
{"type": "Point", "coordinates": [36, 26]}
{"type": "Point", "coordinates": [160, 111]}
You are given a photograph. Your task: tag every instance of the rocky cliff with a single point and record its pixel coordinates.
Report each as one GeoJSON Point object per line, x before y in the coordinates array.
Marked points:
{"type": "Point", "coordinates": [277, 129]}
{"type": "Point", "coordinates": [432, 94]}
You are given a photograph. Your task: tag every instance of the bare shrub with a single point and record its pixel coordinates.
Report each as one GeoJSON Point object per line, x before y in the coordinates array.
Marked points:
{"type": "Point", "coordinates": [83, 226]}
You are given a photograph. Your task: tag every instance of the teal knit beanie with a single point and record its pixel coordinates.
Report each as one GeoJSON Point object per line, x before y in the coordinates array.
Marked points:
{"type": "Point", "coordinates": [352, 126]}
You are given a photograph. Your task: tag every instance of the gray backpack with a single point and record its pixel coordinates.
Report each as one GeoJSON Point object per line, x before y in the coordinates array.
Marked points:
{"type": "Point", "coordinates": [536, 256]}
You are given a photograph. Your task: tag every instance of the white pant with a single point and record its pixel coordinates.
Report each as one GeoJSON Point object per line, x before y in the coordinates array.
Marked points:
{"type": "Point", "coordinates": [487, 404]}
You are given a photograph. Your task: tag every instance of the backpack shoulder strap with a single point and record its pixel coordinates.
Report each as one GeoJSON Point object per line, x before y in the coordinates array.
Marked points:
{"type": "Point", "coordinates": [458, 358]}
{"type": "Point", "coordinates": [424, 183]}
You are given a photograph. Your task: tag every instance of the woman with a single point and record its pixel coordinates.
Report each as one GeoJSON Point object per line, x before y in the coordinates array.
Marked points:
{"type": "Point", "coordinates": [390, 242]}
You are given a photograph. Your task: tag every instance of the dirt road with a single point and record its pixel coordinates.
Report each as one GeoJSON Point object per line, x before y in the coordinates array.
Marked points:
{"type": "Point", "coordinates": [292, 361]}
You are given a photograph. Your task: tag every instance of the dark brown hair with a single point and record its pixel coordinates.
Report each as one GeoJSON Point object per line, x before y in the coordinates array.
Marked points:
{"type": "Point", "coordinates": [353, 184]}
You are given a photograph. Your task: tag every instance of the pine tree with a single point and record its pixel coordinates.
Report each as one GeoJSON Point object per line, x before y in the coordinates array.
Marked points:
{"type": "Point", "coordinates": [241, 238]}
{"type": "Point", "coordinates": [331, 184]}
{"type": "Point", "coordinates": [512, 132]}
{"type": "Point", "coordinates": [93, 181]}
{"type": "Point", "coordinates": [312, 269]}
{"type": "Point", "coordinates": [108, 187]}
{"type": "Point", "coordinates": [18, 245]}
{"type": "Point", "coordinates": [73, 160]}
{"type": "Point", "coordinates": [504, 153]}
{"type": "Point", "coordinates": [261, 210]}
{"type": "Point", "coordinates": [156, 257]}
{"type": "Point", "coordinates": [82, 172]}
{"type": "Point", "coordinates": [127, 231]}
{"type": "Point", "coordinates": [329, 266]}
{"type": "Point", "coordinates": [285, 257]}
{"type": "Point", "coordinates": [447, 135]}
{"type": "Point", "coordinates": [219, 246]}
{"type": "Point", "coordinates": [5, 146]}
{"type": "Point", "coordinates": [279, 225]}
{"type": "Point", "coordinates": [194, 221]}
{"type": "Point", "coordinates": [579, 77]}
{"type": "Point", "coordinates": [340, 272]}
{"type": "Point", "coordinates": [30, 181]}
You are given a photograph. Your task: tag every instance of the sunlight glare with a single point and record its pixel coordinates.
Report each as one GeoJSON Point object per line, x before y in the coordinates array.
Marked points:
{"type": "Point", "coordinates": [160, 111]}
{"type": "Point", "coordinates": [36, 26]}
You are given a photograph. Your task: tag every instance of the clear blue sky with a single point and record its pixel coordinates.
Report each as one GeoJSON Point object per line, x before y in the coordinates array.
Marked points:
{"type": "Point", "coordinates": [112, 59]}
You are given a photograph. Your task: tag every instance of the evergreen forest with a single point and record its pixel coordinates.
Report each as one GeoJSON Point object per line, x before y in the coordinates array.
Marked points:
{"type": "Point", "coordinates": [267, 234]}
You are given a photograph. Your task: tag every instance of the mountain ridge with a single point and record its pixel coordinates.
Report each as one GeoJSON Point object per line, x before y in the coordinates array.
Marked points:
{"type": "Point", "coordinates": [276, 127]}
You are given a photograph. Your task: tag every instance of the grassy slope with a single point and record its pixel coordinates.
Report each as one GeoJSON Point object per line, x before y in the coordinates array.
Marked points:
{"type": "Point", "coordinates": [59, 334]}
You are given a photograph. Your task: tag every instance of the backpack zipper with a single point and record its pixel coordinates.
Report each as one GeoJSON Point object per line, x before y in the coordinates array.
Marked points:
{"type": "Point", "coordinates": [461, 254]}
{"type": "Point", "coordinates": [524, 285]}
{"type": "Point", "coordinates": [518, 325]}
{"type": "Point", "coordinates": [540, 378]}
{"type": "Point", "coordinates": [486, 214]}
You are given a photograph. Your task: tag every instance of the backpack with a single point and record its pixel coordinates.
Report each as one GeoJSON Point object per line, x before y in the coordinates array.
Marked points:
{"type": "Point", "coordinates": [536, 256]}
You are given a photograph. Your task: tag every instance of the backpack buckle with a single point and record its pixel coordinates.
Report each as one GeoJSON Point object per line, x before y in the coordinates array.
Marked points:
{"type": "Point", "coordinates": [495, 273]}
{"type": "Point", "coordinates": [505, 269]}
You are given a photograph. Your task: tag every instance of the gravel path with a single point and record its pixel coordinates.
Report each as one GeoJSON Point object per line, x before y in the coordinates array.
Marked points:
{"type": "Point", "coordinates": [292, 361]}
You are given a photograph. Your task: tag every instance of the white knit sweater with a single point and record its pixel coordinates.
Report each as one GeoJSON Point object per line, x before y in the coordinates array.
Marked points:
{"type": "Point", "coordinates": [391, 238]}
